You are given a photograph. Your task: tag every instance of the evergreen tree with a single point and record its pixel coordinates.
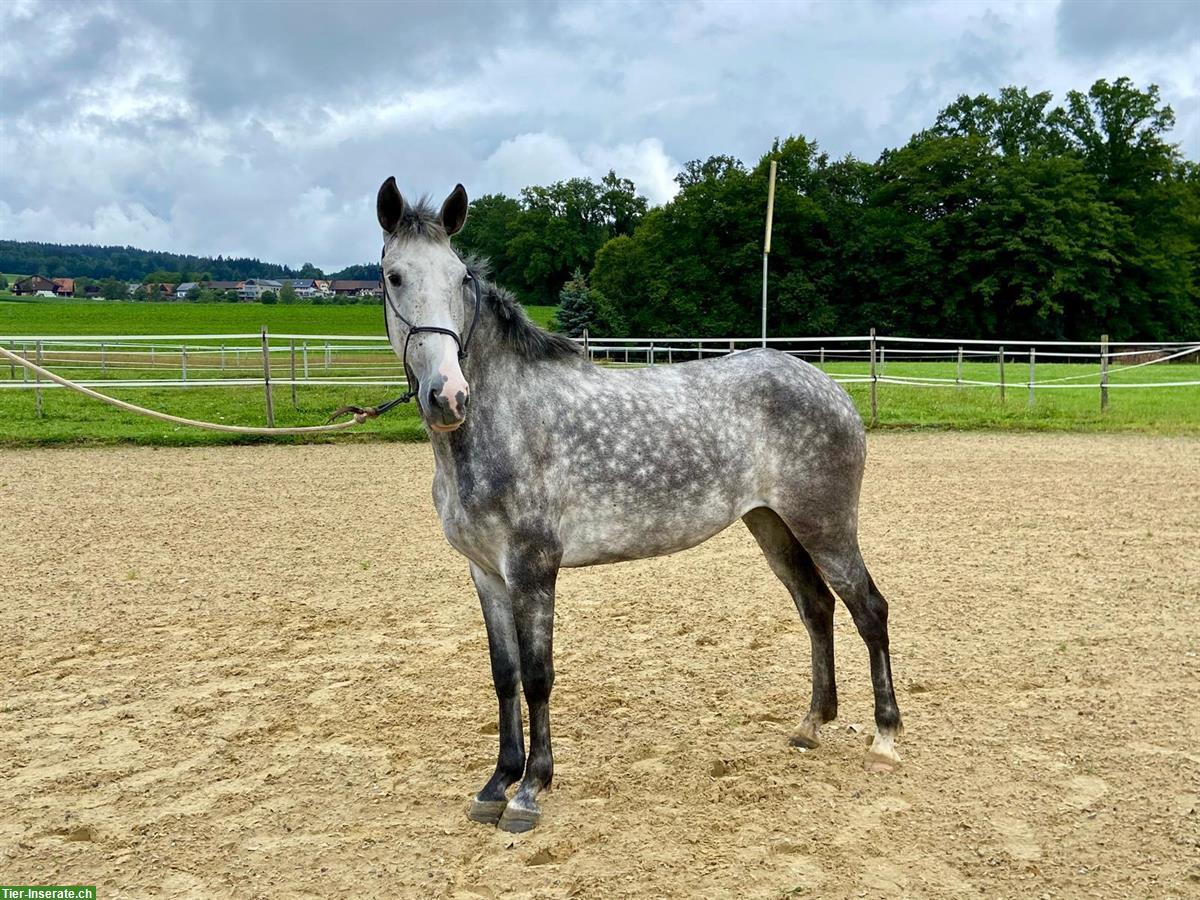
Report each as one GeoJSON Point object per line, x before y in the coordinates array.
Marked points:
{"type": "Point", "coordinates": [575, 308]}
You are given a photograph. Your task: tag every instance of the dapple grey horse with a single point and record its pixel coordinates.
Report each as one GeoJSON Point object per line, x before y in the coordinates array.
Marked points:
{"type": "Point", "coordinates": [544, 460]}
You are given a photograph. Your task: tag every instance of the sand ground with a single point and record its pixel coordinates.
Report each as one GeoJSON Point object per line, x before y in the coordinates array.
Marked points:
{"type": "Point", "coordinates": [260, 671]}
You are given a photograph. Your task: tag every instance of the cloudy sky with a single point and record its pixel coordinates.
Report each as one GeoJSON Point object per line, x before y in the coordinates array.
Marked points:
{"type": "Point", "coordinates": [265, 128]}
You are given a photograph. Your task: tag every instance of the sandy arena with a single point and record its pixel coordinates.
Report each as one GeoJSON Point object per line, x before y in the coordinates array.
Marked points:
{"type": "Point", "coordinates": [261, 671]}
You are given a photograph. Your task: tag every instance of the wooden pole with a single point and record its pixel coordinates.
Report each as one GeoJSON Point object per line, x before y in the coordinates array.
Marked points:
{"type": "Point", "coordinates": [304, 356]}
{"type": "Point", "coordinates": [103, 360]}
{"type": "Point", "coordinates": [670, 352]}
{"type": "Point", "coordinates": [822, 356]}
{"type": "Point", "coordinates": [650, 353]}
{"type": "Point", "coordinates": [883, 360]}
{"type": "Point", "coordinates": [294, 404]}
{"type": "Point", "coordinates": [266, 359]}
{"type": "Point", "coordinates": [1103, 373]}
{"type": "Point", "coordinates": [874, 385]}
{"type": "Point", "coordinates": [1032, 365]}
{"type": "Point", "coordinates": [1000, 356]}
{"type": "Point", "coordinates": [222, 357]}
{"type": "Point", "coordinates": [37, 391]}
{"type": "Point", "coordinates": [12, 366]}
{"type": "Point", "coordinates": [328, 356]}
{"type": "Point", "coordinates": [183, 362]}
{"type": "Point", "coordinates": [767, 248]}
{"type": "Point", "coordinates": [25, 371]}
{"type": "Point", "coordinates": [587, 346]}
{"type": "Point", "coordinates": [958, 371]}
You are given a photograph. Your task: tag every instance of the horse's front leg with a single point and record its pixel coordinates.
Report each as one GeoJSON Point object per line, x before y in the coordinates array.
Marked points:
{"type": "Point", "coordinates": [489, 803]}
{"type": "Point", "coordinates": [531, 577]}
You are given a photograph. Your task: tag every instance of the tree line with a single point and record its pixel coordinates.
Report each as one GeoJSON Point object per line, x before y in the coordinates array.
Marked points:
{"type": "Point", "coordinates": [1007, 217]}
{"type": "Point", "coordinates": [129, 264]}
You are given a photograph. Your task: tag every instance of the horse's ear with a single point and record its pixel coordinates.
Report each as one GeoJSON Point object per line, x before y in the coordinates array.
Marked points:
{"type": "Point", "coordinates": [454, 210]}
{"type": "Point", "coordinates": [389, 205]}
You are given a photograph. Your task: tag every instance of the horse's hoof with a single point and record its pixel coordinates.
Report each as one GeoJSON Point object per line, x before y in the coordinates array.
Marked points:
{"type": "Point", "coordinates": [519, 818]}
{"type": "Point", "coordinates": [486, 812]}
{"type": "Point", "coordinates": [806, 739]}
{"type": "Point", "coordinates": [878, 762]}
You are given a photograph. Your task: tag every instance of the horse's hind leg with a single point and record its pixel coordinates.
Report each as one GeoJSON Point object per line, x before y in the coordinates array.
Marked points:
{"type": "Point", "coordinates": [794, 567]}
{"type": "Point", "coordinates": [841, 563]}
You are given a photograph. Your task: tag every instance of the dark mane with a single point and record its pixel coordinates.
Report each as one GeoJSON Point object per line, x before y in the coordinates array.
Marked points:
{"type": "Point", "coordinates": [517, 330]}
{"type": "Point", "coordinates": [420, 219]}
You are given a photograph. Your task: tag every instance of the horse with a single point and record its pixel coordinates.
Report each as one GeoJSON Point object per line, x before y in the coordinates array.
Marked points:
{"type": "Point", "coordinates": [544, 460]}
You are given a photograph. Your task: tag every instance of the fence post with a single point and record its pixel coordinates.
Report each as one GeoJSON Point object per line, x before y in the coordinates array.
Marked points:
{"type": "Point", "coordinates": [1032, 363]}
{"type": "Point", "coordinates": [958, 371]}
{"type": "Point", "coordinates": [25, 371]}
{"type": "Point", "coordinates": [328, 356]}
{"type": "Point", "coordinates": [1103, 372]}
{"type": "Point", "coordinates": [152, 355]}
{"type": "Point", "coordinates": [103, 360]}
{"type": "Point", "coordinates": [732, 349]}
{"type": "Point", "coordinates": [12, 366]}
{"type": "Point", "coordinates": [882, 360]}
{"type": "Point", "coordinates": [294, 404]}
{"type": "Point", "coordinates": [304, 356]}
{"type": "Point", "coordinates": [183, 361]}
{"type": "Point", "coordinates": [1000, 356]}
{"type": "Point", "coordinates": [627, 354]}
{"type": "Point", "coordinates": [587, 347]}
{"type": "Point", "coordinates": [650, 353]}
{"type": "Point", "coordinates": [670, 354]}
{"type": "Point", "coordinates": [822, 356]}
{"type": "Point", "coordinates": [222, 357]}
{"type": "Point", "coordinates": [37, 391]}
{"type": "Point", "coordinates": [874, 384]}
{"type": "Point", "coordinates": [266, 357]}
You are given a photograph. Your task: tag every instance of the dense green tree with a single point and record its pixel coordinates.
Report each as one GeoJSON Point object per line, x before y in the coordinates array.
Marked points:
{"type": "Point", "coordinates": [114, 289]}
{"type": "Point", "coordinates": [268, 297]}
{"type": "Point", "coordinates": [287, 294]}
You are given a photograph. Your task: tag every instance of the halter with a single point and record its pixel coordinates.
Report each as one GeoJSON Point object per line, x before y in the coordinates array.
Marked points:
{"type": "Point", "coordinates": [462, 344]}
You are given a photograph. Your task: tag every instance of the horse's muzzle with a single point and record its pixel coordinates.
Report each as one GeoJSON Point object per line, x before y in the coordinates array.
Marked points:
{"type": "Point", "coordinates": [446, 413]}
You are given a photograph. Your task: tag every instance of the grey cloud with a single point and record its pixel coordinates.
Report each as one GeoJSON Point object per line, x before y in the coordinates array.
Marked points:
{"type": "Point", "coordinates": [1096, 28]}
{"type": "Point", "coordinates": [265, 128]}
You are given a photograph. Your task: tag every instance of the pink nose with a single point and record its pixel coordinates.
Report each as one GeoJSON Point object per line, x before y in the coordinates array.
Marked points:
{"type": "Point", "coordinates": [448, 399]}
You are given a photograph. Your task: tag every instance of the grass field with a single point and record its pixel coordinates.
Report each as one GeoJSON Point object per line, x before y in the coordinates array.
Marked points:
{"type": "Point", "coordinates": [46, 317]}
{"type": "Point", "coordinates": [68, 418]}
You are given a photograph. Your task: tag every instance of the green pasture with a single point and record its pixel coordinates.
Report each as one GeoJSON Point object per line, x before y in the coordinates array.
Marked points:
{"type": "Point", "coordinates": [41, 315]}
{"type": "Point", "coordinates": [68, 418]}
{"type": "Point", "coordinates": [84, 317]}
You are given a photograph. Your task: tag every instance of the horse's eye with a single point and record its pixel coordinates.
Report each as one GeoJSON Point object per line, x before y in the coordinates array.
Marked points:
{"type": "Point", "coordinates": [467, 278]}
{"type": "Point", "coordinates": [394, 279]}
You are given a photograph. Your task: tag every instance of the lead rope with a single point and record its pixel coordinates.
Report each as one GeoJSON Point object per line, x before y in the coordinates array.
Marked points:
{"type": "Point", "coordinates": [360, 416]}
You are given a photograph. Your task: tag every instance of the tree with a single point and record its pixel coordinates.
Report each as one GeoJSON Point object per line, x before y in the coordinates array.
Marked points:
{"type": "Point", "coordinates": [3, 283]}
{"type": "Point", "coordinates": [113, 289]}
{"type": "Point", "coordinates": [575, 312]}
{"type": "Point", "coordinates": [287, 293]}
{"type": "Point", "coordinates": [193, 293]}
{"type": "Point", "coordinates": [267, 297]}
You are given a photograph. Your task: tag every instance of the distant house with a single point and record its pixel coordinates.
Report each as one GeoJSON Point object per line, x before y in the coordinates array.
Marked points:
{"type": "Point", "coordinates": [223, 285]}
{"type": "Point", "coordinates": [131, 287]}
{"type": "Point", "coordinates": [33, 285]}
{"type": "Point", "coordinates": [254, 288]}
{"type": "Point", "coordinates": [345, 287]}
{"type": "Point", "coordinates": [159, 290]}
{"type": "Point", "coordinates": [304, 287]}
{"type": "Point", "coordinates": [37, 284]}
{"type": "Point", "coordinates": [181, 292]}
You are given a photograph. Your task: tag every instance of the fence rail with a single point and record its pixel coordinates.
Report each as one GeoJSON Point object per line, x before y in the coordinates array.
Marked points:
{"type": "Point", "coordinates": [296, 360]}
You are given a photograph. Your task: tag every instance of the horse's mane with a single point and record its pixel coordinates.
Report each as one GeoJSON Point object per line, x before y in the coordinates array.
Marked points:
{"type": "Point", "coordinates": [517, 330]}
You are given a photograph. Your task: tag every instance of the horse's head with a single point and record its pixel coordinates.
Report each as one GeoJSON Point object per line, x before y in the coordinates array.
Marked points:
{"type": "Point", "coordinates": [425, 287]}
